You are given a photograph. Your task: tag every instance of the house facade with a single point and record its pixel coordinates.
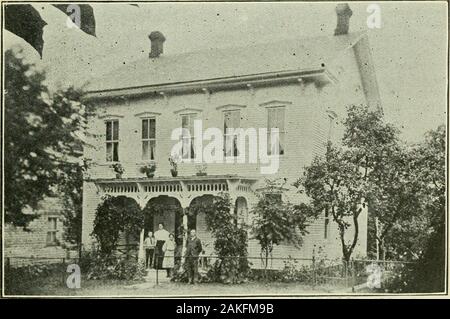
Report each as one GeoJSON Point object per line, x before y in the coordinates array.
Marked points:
{"type": "Point", "coordinates": [301, 87]}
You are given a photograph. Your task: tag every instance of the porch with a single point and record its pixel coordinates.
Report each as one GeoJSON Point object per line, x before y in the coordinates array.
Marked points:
{"type": "Point", "coordinates": [167, 200]}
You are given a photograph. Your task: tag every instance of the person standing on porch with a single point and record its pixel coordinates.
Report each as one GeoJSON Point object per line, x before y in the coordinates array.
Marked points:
{"type": "Point", "coordinates": [149, 244]}
{"type": "Point", "coordinates": [193, 250]}
{"type": "Point", "coordinates": [161, 236]}
{"type": "Point", "coordinates": [169, 255]}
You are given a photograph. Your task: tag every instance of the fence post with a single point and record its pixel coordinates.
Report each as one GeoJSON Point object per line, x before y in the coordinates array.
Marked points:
{"type": "Point", "coordinates": [314, 268]}
{"type": "Point", "coordinates": [63, 272]}
{"type": "Point", "coordinates": [353, 274]}
{"type": "Point", "coordinates": [8, 274]}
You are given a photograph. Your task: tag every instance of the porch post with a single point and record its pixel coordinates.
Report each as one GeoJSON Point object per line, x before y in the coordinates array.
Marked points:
{"type": "Point", "coordinates": [185, 227]}
{"type": "Point", "coordinates": [141, 252]}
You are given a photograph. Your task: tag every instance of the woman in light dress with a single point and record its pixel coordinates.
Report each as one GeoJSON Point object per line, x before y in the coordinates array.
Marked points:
{"type": "Point", "coordinates": [169, 255]}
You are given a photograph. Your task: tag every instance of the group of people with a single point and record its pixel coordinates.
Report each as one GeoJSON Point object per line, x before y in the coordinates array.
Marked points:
{"type": "Point", "coordinates": [160, 252]}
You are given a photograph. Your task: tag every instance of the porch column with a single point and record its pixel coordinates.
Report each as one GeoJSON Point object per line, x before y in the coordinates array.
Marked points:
{"type": "Point", "coordinates": [185, 227]}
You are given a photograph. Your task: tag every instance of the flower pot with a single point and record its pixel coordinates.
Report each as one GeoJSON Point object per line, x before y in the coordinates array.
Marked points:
{"type": "Point", "coordinates": [150, 174]}
{"type": "Point", "coordinates": [174, 173]}
{"type": "Point", "coordinates": [118, 175]}
{"type": "Point", "coordinates": [200, 174]}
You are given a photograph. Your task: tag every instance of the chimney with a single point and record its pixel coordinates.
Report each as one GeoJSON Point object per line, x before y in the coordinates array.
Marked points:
{"type": "Point", "coordinates": [343, 13]}
{"type": "Point", "coordinates": [157, 42]}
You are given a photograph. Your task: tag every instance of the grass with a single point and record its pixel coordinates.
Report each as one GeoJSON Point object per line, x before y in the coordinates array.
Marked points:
{"type": "Point", "coordinates": [54, 286]}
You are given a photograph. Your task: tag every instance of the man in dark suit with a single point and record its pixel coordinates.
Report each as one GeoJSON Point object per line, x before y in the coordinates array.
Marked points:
{"type": "Point", "coordinates": [193, 250]}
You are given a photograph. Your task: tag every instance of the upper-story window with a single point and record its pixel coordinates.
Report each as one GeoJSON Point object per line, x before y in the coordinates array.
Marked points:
{"type": "Point", "coordinates": [187, 124]}
{"type": "Point", "coordinates": [112, 141]}
{"type": "Point", "coordinates": [275, 119]}
{"type": "Point", "coordinates": [230, 123]}
{"type": "Point", "coordinates": [148, 139]}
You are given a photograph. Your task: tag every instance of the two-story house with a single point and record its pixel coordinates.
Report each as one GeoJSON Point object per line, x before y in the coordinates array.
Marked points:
{"type": "Point", "coordinates": [300, 86]}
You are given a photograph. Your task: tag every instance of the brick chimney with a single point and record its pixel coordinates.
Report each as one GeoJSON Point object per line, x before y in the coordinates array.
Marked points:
{"type": "Point", "coordinates": [157, 43]}
{"type": "Point", "coordinates": [343, 13]}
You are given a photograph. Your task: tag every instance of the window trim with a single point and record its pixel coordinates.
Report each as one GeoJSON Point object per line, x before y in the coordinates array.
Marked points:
{"type": "Point", "coordinates": [230, 107]}
{"type": "Point", "coordinates": [189, 112]}
{"type": "Point", "coordinates": [52, 231]}
{"type": "Point", "coordinates": [148, 139]}
{"type": "Point", "coordinates": [112, 141]}
{"type": "Point", "coordinates": [283, 132]}
{"type": "Point", "coordinates": [146, 114]}
{"type": "Point", "coordinates": [225, 135]}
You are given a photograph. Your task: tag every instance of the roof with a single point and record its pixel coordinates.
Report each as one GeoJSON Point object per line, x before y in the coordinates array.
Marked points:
{"type": "Point", "coordinates": [286, 55]}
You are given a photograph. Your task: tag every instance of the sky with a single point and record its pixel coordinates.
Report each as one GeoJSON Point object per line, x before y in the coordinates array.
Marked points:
{"type": "Point", "coordinates": [409, 49]}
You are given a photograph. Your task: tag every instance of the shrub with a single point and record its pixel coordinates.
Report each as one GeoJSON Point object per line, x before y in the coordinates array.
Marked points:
{"type": "Point", "coordinates": [96, 265]}
{"type": "Point", "coordinates": [19, 280]}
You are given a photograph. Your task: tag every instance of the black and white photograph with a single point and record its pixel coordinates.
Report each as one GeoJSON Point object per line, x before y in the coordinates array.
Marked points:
{"type": "Point", "coordinates": [224, 149]}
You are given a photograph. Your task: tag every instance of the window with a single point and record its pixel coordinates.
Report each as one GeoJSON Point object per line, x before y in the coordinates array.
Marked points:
{"type": "Point", "coordinates": [52, 230]}
{"type": "Point", "coordinates": [112, 141]}
{"type": "Point", "coordinates": [187, 124]}
{"type": "Point", "coordinates": [275, 119]}
{"type": "Point", "coordinates": [148, 139]}
{"type": "Point", "coordinates": [327, 221]}
{"type": "Point", "coordinates": [231, 121]}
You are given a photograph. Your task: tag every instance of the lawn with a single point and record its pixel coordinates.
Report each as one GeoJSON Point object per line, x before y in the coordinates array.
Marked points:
{"type": "Point", "coordinates": [53, 286]}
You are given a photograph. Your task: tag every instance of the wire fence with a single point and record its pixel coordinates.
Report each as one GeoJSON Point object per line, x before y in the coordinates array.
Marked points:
{"type": "Point", "coordinates": [311, 271]}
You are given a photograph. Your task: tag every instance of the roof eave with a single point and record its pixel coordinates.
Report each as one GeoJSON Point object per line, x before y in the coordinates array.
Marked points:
{"type": "Point", "coordinates": [320, 76]}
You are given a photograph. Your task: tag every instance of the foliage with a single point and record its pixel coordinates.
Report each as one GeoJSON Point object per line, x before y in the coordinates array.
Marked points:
{"type": "Point", "coordinates": [230, 240]}
{"type": "Point", "coordinates": [117, 168]}
{"type": "Point", "coordinates": [201, 169]}
{"type": "Point", "coordinates": [278, 221]}
{"type": "Point", "coordinates": [292, 272]}
{"type": "Point", "coordinates": [388, 166]}
{"type": "Point", "coordinates": [148, 170]}
{"type": "Point", "coordinates": [113, 216]}
{"type": "Point", "coordinates": [428, 238]}
{"type": "Point", "coordinates": [97, 265]}
{"type": "Point", "coordinates": [41, 137]}
{"type": "Point", "coordinates": [18, 279]}
{"type": "Point", "coordinates": [336, 184]}
{"type": "Point", "coordinates": [372, 169]}
{"type": "Point", "coordinates": [173, 161]}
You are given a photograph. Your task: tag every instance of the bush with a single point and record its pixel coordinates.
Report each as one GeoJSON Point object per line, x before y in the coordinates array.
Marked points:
{"type": "Point", "coordinates": [19, 280]}
{"type": "Point", "coordinates": [96, 265]}
{"type": "Point", "coordinates": [292, 272]}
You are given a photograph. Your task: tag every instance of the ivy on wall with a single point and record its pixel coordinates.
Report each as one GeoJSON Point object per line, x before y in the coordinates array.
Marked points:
{"type": "Point", "coordinates": [230, 240]}
{"type": "Point", "coordinates": [113, 216]}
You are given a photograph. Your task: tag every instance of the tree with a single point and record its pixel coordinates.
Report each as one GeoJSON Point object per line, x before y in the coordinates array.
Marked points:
{"type": "Point", "coordinates": [335, 183]}
{"type": "Point", "coordinates": [376, 149]}
{"type": "Point", "coordinates": [276, 221]}
{"type": "Point", "coordinates": [427, 234]}
{"type": "Point", "coordinates": [41, 130]}
{"type": "Point", "coordinates": [429, 273]}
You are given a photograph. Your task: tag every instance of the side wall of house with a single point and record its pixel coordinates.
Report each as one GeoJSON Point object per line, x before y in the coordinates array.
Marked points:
{"type": "Point", "coordinates": [32, 243]}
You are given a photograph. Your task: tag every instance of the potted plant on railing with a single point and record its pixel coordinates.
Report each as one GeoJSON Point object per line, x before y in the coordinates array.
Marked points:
{"type": "Point", "coordinates": [118, 169]}
{"type": "Point", "coordinates": [201, 169]}
{"type": "Point", "coordinates": [174, 164]}
{"type": "Point", "coordinates": [149, 170]}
